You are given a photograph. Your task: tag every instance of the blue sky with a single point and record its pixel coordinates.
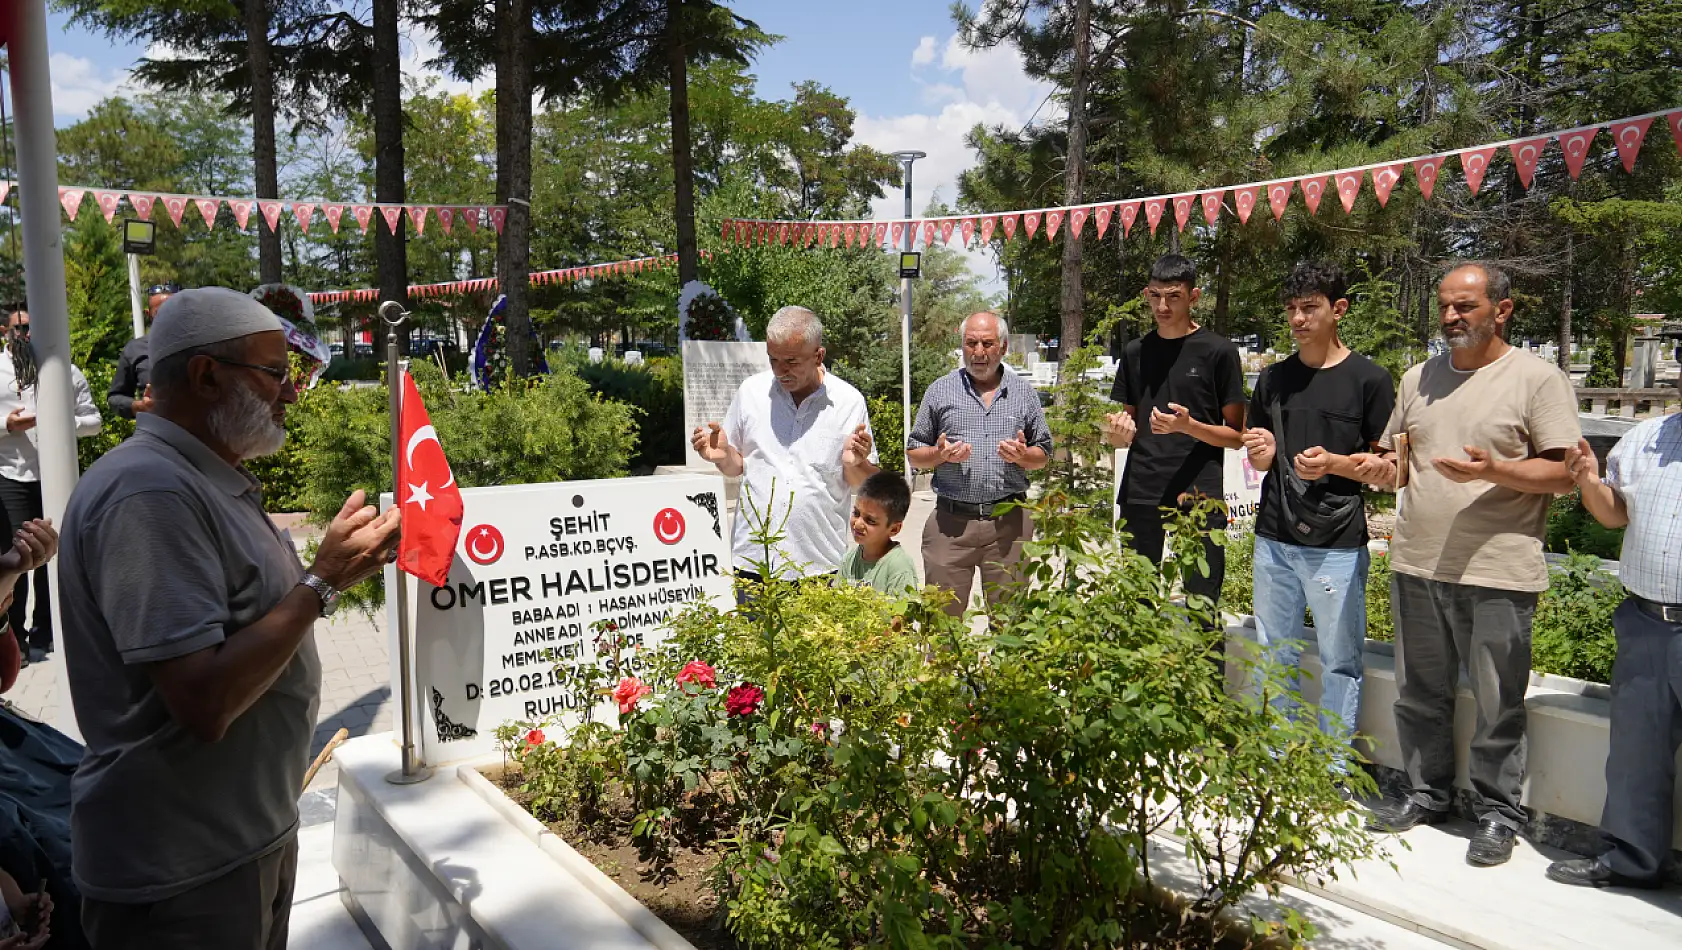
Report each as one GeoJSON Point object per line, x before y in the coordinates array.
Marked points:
{"type": "Point", "coordinates": [898, 63]}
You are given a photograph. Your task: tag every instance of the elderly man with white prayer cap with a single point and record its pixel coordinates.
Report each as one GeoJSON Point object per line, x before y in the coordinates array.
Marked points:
{"type": "Point", "coordinates": [188, 643]}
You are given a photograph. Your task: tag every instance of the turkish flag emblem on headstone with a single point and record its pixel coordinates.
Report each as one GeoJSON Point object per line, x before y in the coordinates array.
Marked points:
{"type": "Point", "coordinates": [271, 213]}
{"type": "Point", "coordinates": [1212, 205]}
{"type": "Point", "coordinates": [142, 205]}
{"type": "Point", "coordinates": [446, 217]}
{"type": "Point", "coordinates": [1129, 214]}
{"type": "Point", "coordinates": [1348, 189]}
{"type": "Point", "coordinates": [71, 199]}
{"type": "Point", "coordinates": [1105, 212]}
{"type": "Point", "coordinates": [303, 211]}
{"type": "Point", "coordinates": [432, 506]}
{"type": "Point", "coordinates": [1425, 171]}
{"type": "Point", "coordinates": [1031, 223]}
{"type": "Point", "coordinates": [1182, 211]}
{"type": "Point", "coordinates": [1628, 137]}
{"type": "Point", "coordinates": [242, 214]}
{"type": "Point", "coordinates": [1279, 197]}
{"type": "Point", "coordinates": [1525, 156]}
{"type": "Point", "coordinates": [207, 209]}
{"type": "Point", "coordinates": [1153, 213]}
{"type": "Point", "coordinates": [1575, 145]}
{"type": "Point", "coordinates": [1312, 190]}
{"type": "Point", "coordinates": [176, 206]}
{"type": "Point", "coordinates": [499, 216]}
{"type": "Point", "coordinates": [1383, 180]}
{"type": "Point", "coordinates": [1053, 220]}
{"type": "Point", "coordinates": [363, 214]}
{"type": "Point", "coordinates": [1244, 202]}
{"type": "Point", "coordinates": [1008, 222]}
{"type": "Point", "coordinates": [107, 202]}
{"type": "Point", "coordinates": [1077, 219]}
{"type": "Point", "coordinates": [1475, 163]}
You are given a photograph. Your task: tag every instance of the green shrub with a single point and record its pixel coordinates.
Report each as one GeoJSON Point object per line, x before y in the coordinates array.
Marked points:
{"type": "Point", "coordinates": [1238, 591]}
{"type": "Point", "coordinates": [113, 428]}
{"type": "Point", "coordinates": [1572, 634]}
{"type": "Point", "coordinates": [1572, 529]}
{"type": "Point", "coordinates": [887, 425]}
{"type": "Point", "coordinates": [655, 389]}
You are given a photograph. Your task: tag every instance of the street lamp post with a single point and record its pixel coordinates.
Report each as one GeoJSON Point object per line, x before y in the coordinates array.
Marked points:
{"type": "Point", "coordinates": [905, 160]}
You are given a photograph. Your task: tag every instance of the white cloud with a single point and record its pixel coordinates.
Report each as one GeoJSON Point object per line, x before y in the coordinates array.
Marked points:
{"type": "Point", "coordinates": [419, 49]}
{"type": "Point", "coordinates": [79, 84]}
{"type": "Point", "coordinates": [924, 53]}
{"type": "Point", "coordinates": [966, 88]}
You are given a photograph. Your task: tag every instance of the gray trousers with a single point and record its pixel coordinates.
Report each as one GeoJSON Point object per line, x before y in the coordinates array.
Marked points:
{"type": "Point", "coordinates": [1439, 627]}
{"type": "Point", "coordinates": [1646, 732]}
{"type": "Point", "coordinates": [248, 908]}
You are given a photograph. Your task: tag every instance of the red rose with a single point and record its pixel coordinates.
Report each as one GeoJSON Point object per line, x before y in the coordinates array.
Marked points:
{"type": "Point", "coordinates": [534, 738]}
{"type": "Point", "coordinates": [698, 673]}
{"type": "Point", "coordinates": [626, 694]}
{"type": "Point", "coordinates": [743, 700]}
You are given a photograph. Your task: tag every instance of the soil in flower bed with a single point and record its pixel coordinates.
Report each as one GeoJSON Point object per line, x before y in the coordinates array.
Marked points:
{"type": "Point", "coordinates": [680, 893]}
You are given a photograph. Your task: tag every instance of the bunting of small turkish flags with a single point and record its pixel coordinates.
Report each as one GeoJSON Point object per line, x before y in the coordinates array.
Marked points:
{"type": "Point", "coordinates": [498, 217]}
{"type": "Point", "coordinates": [1384, 179]}
{"type": "Point", "coordinates": [364, 214]}
{"type": "Point", "coordinates": [1053, 220]}
{"type": "Point", "coordinates": [207, 210]}
{"type": "Point", "coordinates": [946, 228]}
{"type": "Point", "coordinates": [988, 224]}
{"type": "Point", "coordinates": [445, 218]}
{"type": "Point", "coordinates": [392, 215]}
{"type": "Point", "coordinates": [1425, 172]}
{"type": "Point", "coordinates": [1628, 137]}
{"type": "Point", "coordinates": [242, 213]}
{"type": "Point", "coordinates": [1575, 145]}
{"type": "Point", "coordinates": [897, 229]}
{"type": "Point", "coordinates": [332, 212]}
{"type": "Point", "coordinates": [470, 217]}
{"type": "Point", "coordinates": [1475, 163]}
{"type": "Point", "coordinates": [880, 232]}
{"type": "Point", "coordinates": [1105, 212]}
{"type": "Point", "coordinates": [1674, 120]}
{"type": "Point", "coordinates": [270, 211]}
{"type": "Point", "coordinates": [1153, 213]}
{"type": "Point", "coordinates": [71, 199]}
{"type": "Point", "coordinates": [1182, 212]}
{"type": "Point", "coordinates": [417, 214]}
{"type": "Point", "coordinates": [1348, 189]}
{"type": "Point", "coordinates": [1312, 190]}
{"type": "Point", "coordinates": [176, 206]}
{"type": "Point", "coordinates": [107, 202]}
{"type": "Point", "coordinates": [1525, 156]}
{"type": "Point", "coordinates": [1278, 196]}
{"type": "Point", "coordinates": [1077, 219]}
{"type": "Point", "coordinates": [1008, 222]}
{"type": "Point", "coordinates": [303, 211]}
{"type": "Point", "coordinates": [1244, 199]}
{"type": "Point", "coordinates": [967, 230]}
{"type": "Point", "coordinates": [143, 205]}
{"type": "Point", "coordinates": [930, 228]}
{"type": "Point", "coordinates": [1211, 201]}
{"type": "Point", "coordinates": [1031, 223]}
{"type": "Point", "coordinates": [1129, 214]}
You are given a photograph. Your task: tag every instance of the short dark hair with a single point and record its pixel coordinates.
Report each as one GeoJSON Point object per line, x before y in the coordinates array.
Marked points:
{"type": "Point", "coordinates": [1174, 269]}
{"type": "Point", "coordinates": [170, 374]}
{"type": "Point", "coordinates": [889, 491]}
{"type": "Point", "coordinates": [1310, 278]}
{"type": "Point", "coordinates": [1496, 284]}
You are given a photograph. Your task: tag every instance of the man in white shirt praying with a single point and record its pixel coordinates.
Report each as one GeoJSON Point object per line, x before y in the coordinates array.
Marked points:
{"type": "Point", "coordinates": [800, 438]}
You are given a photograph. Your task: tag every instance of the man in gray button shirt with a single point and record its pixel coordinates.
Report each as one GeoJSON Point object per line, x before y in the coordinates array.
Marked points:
{"type": "Point", "coordinates": [189, 649]}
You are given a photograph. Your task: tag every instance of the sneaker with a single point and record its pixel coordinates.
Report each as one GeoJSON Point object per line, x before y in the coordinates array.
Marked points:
{"type": "Point", "coordinates": [1492, 845]}
{"type": "Point", "coordinates": [1395, 817]}
{"type": "Point", "coordinates": [1592, 872]}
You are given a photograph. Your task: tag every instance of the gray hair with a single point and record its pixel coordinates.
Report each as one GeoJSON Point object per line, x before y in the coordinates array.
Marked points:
{"type": "Point", "coordinates": [1497, 285]}
{"type": "Point", "coordinates": [795, 324]}
{"type": "Point", "coordinates": [1004, 325]}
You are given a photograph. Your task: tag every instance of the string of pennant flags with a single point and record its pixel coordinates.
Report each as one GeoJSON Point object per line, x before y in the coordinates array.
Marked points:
{"type": "Point", "coordinates": [71, 197]}
{"type": "Point", "coordinates": [452, 288]}
{"type": "Point", "coordinates": [1627, 137]}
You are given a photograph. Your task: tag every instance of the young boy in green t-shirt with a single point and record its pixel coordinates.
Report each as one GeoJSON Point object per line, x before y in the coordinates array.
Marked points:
{"type": "Point", "coordinates": [877, 559]}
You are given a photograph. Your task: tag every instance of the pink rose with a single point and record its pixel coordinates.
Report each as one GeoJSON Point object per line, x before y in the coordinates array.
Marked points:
{"type": "Point", "coordinates": [626, 694]}
{"type": "Point", "coordinates": [698, 673]}
{"type": "Point", "coordinates": [743, 700]}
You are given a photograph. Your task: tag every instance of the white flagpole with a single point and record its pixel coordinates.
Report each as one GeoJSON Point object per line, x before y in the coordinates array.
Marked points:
{"type": "Point", "coordinates": [412, 771]}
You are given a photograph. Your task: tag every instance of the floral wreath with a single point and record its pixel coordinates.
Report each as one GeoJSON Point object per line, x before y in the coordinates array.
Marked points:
{"type": "Point", "coordinates": [704, 315]}
{"type": "Point", "coordinates": [297, 318]}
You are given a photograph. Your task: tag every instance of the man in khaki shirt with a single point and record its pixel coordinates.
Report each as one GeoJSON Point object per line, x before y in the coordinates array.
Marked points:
{"type": "Point", "coordinates": [1487, 428]}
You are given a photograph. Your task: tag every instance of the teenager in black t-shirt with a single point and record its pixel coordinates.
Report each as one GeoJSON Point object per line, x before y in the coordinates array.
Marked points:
{"type": "Point", "coordinates": [1182, 392]}
{"type": "Point", "coordinates": [1314, 420]}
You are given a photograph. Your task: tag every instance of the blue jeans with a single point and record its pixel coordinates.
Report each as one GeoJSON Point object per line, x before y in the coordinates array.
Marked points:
{"type": "Point", "coordinates": [1332, 583]}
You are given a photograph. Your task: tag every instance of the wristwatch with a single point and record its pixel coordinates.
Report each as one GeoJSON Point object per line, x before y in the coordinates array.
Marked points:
{"type": "Point", "coordinates": [328, 594]}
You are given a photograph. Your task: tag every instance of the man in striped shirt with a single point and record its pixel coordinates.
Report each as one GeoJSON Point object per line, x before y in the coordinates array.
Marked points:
{"type": "Point", "coordinates": [1641, 493]}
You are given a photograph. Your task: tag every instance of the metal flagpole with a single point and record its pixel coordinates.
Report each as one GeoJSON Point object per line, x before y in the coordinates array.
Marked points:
{"type": "Point", "coordinates": [906, 158]}
{"type": "Point", "coordinates": [134, 295]}
{"type": "Point", "coordinates": [43, 266]}
{"type": "Point", "coordinates": [412, 772]}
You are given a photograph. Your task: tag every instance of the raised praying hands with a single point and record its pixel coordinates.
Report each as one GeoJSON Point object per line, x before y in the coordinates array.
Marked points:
{"type": "Point", "coordinates": [710, 442]}
{"type": "Point", "coordinates": [1014, 451]}
{"type": "Point", "coordinates": [1177, 419]}
{"type": "Point", "coordinates": [857, 450]}
{"type": "Point", "coordinates": [955, 451]}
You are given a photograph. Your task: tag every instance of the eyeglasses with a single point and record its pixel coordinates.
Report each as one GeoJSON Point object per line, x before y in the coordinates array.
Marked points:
{"type": "Point", "coordinates": [281, 376]}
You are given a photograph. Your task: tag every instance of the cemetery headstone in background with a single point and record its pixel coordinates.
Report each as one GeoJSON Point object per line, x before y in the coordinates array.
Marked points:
{"type": "Point", "coordinates": [712, 372]}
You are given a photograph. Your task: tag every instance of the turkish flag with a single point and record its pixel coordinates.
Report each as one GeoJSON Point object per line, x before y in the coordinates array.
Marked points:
{"type": "Point", "coordinates": [427, 490]}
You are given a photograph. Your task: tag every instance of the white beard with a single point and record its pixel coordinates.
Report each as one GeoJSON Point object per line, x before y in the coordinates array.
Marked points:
{"type": "Point", "coordinates": [245, 424]}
